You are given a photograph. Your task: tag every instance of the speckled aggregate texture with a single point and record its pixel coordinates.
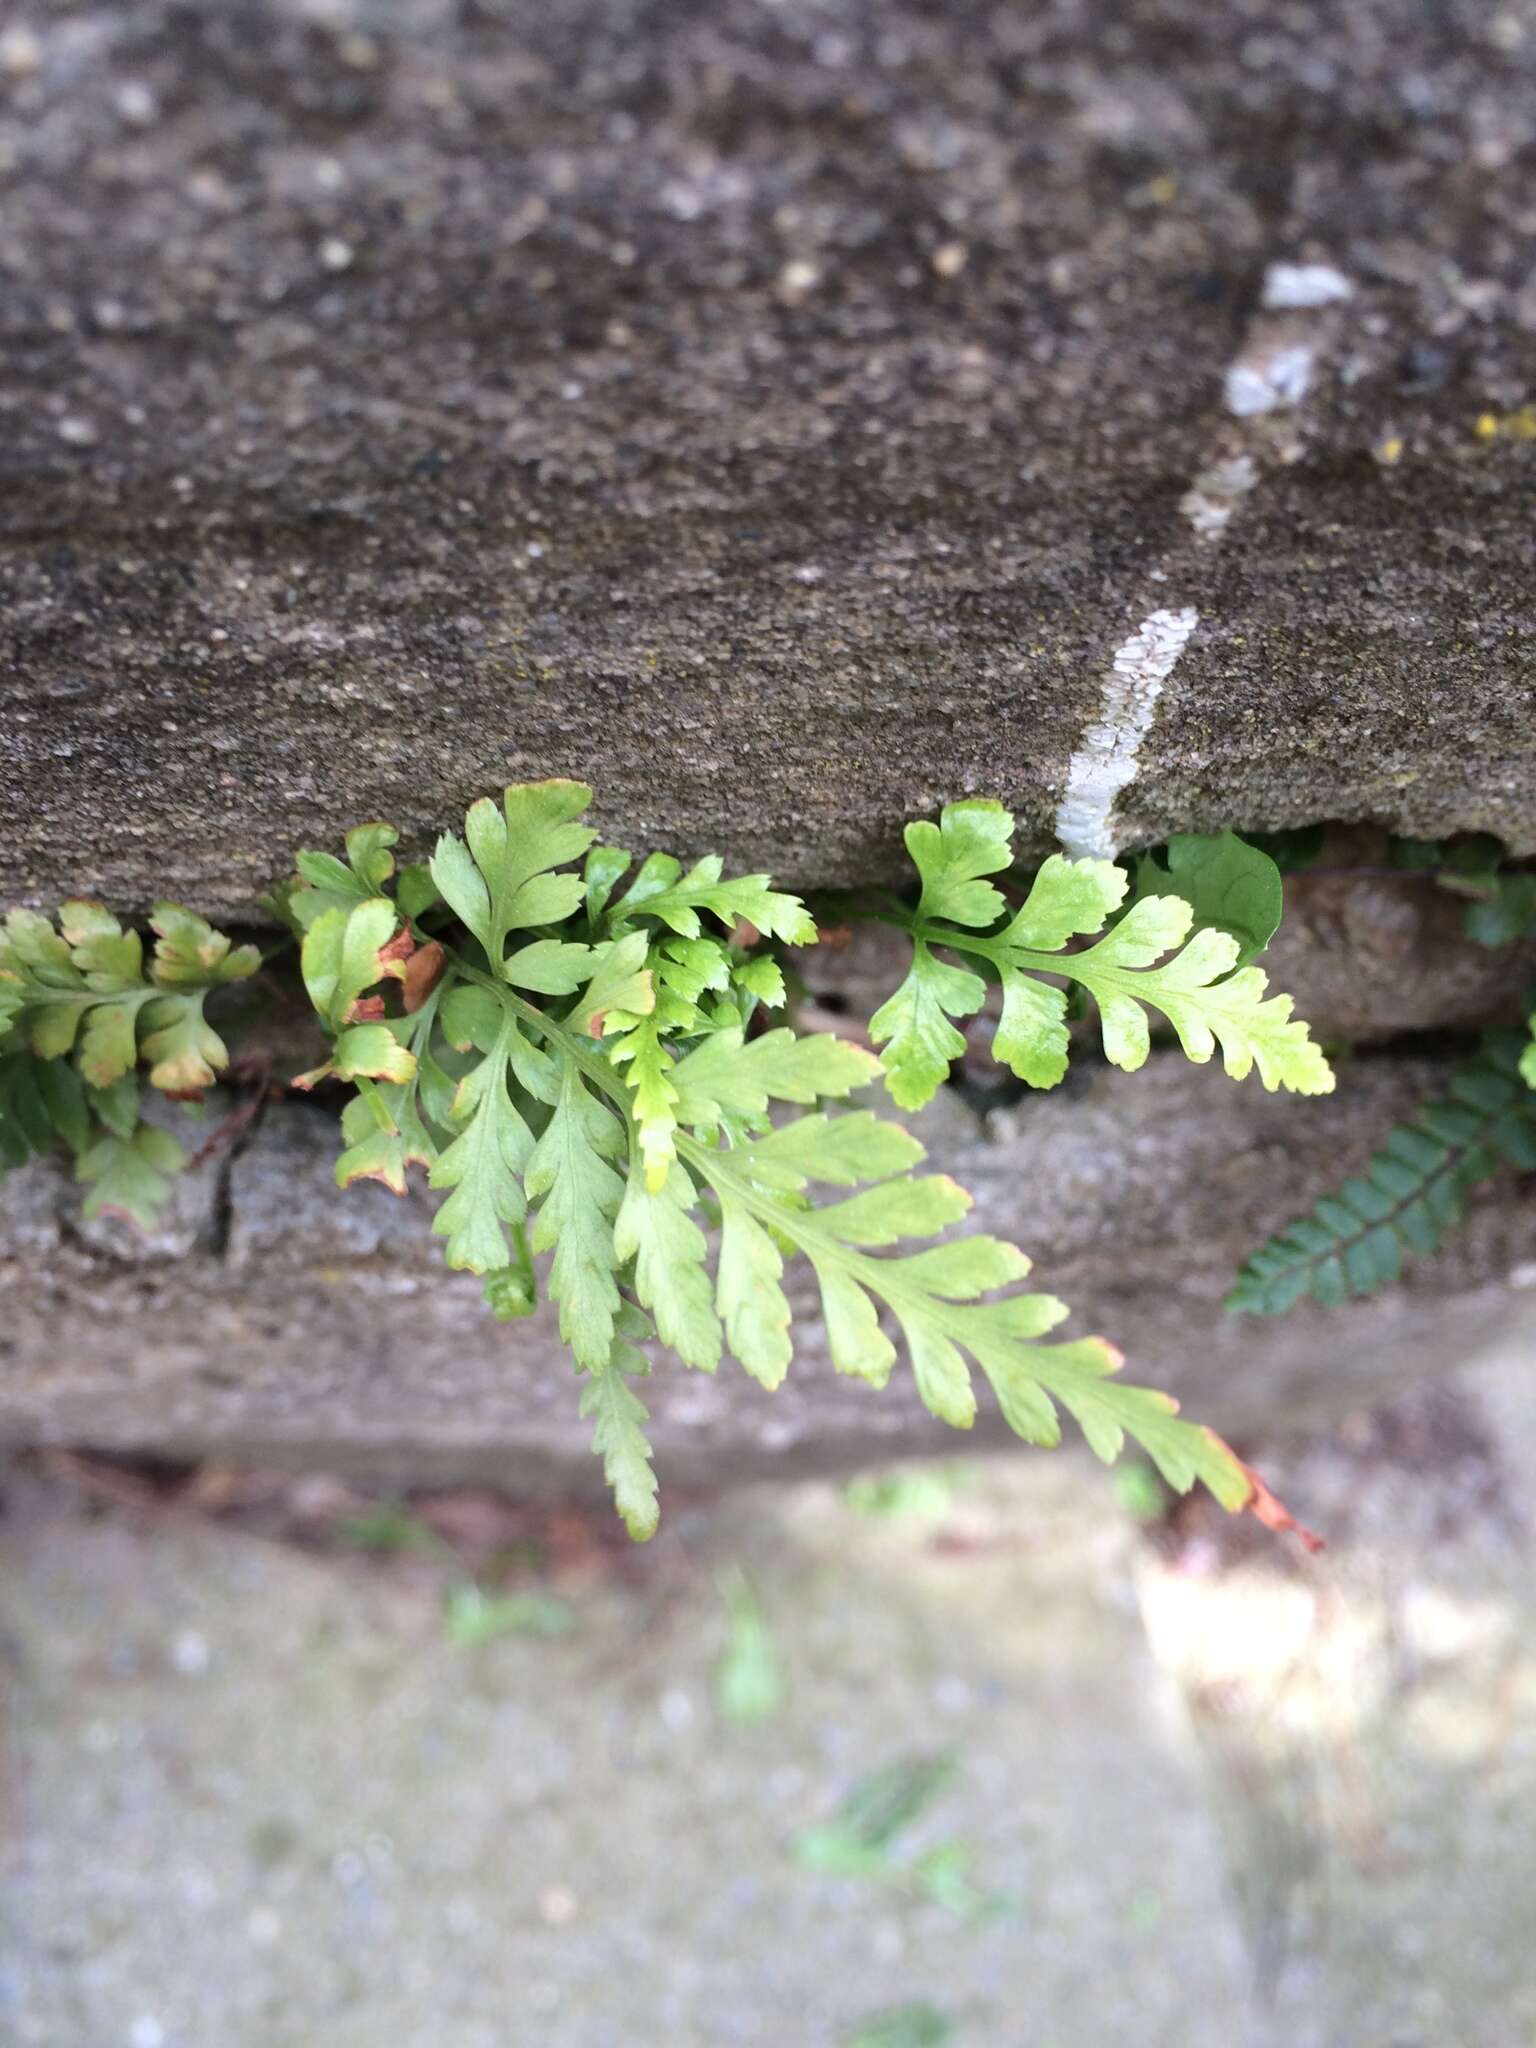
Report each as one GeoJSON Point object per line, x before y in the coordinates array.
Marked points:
{"type": "Point", "coordinates": [778, 416]}
{"type": "Point", "coordinates": [271, 1318]}
{"type": "Point", "coordinates": [258, 1798]}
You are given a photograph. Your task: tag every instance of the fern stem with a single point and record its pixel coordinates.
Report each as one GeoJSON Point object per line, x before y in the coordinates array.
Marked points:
{"type": "Point", "coordinates": [592, 1065]}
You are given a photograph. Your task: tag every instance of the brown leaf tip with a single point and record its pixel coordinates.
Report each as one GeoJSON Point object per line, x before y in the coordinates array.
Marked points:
{"type": "Point", "coordinates": [1274, 1514]}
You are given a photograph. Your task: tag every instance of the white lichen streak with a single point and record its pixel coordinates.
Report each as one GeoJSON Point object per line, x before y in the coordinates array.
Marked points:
{"type": "Point", "coordinates": [1106, 760]}
{"type": "Point", "coordinates": [1292, 333]}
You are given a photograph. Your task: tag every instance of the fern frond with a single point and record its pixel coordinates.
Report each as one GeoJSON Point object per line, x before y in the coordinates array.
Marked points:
{"type": "Point", "coordinates": [580, 1065]}
{"type": "Point", "coordinates": [1203, 990]}
{"type": "Point", "coordinates": [1409, 1197]}
{"type": "Point", "coordinates": [948, 1300]}
{"type": "Point", "coordinates": [618, 1425]}
{"type": "Point", "coordinates": [81, 1010]}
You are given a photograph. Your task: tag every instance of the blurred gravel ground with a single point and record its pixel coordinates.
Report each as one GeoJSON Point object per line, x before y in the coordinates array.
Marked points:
{"type": "Point", "coordinates": [260, 1797]}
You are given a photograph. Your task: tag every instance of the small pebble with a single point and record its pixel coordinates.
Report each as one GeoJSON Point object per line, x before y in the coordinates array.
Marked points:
{"type": "Point", "coordinates": [136, 103]}
{"type": "Point", "coordinates": [189, 1652]}
{"type": "Point", "coordinates": [676, 1709]}
{"type": "Point", "coordinates": [558, 1905]}
{"type": "Point", "coordinates": [21, 53]}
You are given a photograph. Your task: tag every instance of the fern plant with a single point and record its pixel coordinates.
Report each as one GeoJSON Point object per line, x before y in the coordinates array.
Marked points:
{"type": "Point", "coordinates": [81, 1013]}
{"type": "Point", "coordinates": [567, 1045]}
{"type": "Point", "coordinates": [1413, 1194]}
{"type": "Point", "coordinates": [1203, 987]}
{"type": "Point", "coordinates": [570, 1047]}
{"type": "Point", "coordinates": [1410, 1196]}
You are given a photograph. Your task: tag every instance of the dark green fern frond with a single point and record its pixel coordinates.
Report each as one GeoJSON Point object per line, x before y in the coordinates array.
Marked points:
{"type": "Point", "coordinates": [1410, 1196]}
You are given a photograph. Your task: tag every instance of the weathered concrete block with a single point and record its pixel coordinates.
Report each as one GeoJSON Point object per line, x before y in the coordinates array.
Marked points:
{"type": "Point", "coordinates": [297, 1323]}
{"type": "Point", "coordinates": [780, 417]}
{"type": "Point", "coordinates": [787, 420]}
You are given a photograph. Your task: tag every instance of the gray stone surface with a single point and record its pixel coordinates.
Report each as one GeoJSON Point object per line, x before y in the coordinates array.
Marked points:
{"type": "Point", "coordinates": [777, 416]}
{"type": "Point", "coordinates": [260, 1798]}
{"type": "Point", "coordinates": [277, 1319]}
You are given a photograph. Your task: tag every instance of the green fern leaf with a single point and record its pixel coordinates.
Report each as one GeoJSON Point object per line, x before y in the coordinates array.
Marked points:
{"type": "Point", "coordinates": [1411, 1194]}
{"type": "Point", "coordinates": [1197, 989]}
{"type": "Point", "coordinates": [499, 878]}
{"type": "Point", "coordinates": [971, 839]}
{"type": "Point", "coordinates": [661, 890]}
{"type": "Point", "coordinates": [725, 1077]}
{"type": "Point", "coordinates": [751, 1302]}
{"type": "Point", "coordinates": [189, 953]}
{"type": "Point", "coordinates": [655, 1231]}
{"type": "Point", "coordinates": [583, 1064]}
{"type": "Point", "coordinates": [484, 1162]}
{"type": "Point", "coordinates": [396, 1124]}
{"type": "Point", "coordinates": [571, 1176]}
{"type": "Point", "coordinates": [618, 1417]}
{"type": "Point", "coordinates": [913, 1025]}
{"type": "Point", "coordinates": [936, 1299]}
{"type": "Point", "coordinates": [131, 1175]}
{"type": "Point", "coordinates": [621, 984]}
{"type": "Point", "coordinates": [326, 883]}
{"type": "Point", "coordinates": [1226, 882]}
{"type": "Point", "coordinates": [42, 1102]}
{"type": "Point", "coordinates": [345, 954]}
{"type": "Point", "coordinates": [83, 1002]}
{"type": "Point", "coordinates": [649, 1069]}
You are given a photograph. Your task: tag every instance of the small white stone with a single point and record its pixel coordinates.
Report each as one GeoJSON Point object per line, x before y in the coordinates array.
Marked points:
{"type": "Point", "coordinates": [136, 103]}
{"type": "Point", "coordinates": [190, 1654]}
{"type": "Point", "coordinates": [558, 1905]}
{"type": "Point", "coordinates": [1301, 286]}
{"type": "Point", "coordinates": [263, 1926]}
{"type": "Point", "coordinates": [20, 52]}
{"type": "Point", "coordinates": [676, 1709]}
{"type": "Point", "coordinates": [77, 432]}
{"type": "Point", "coordinates": [1268, 382]}
{"type": "Point", "coordinates": [336, 254]}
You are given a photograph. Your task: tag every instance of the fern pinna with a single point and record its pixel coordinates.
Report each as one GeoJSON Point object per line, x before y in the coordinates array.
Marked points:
{"type": "Point", "coordinates": [1412, 1193]}
{"type": "Point", "coordinates": [568, 1045]}
{"type": "Point", "coordinates": [81, 1012]}
{"type": "Point", "coordinates": [1204, 989]}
